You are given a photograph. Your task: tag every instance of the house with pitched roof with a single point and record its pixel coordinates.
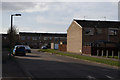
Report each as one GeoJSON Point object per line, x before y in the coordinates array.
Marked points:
{"type": "Point", "coordinates": [92, 33]}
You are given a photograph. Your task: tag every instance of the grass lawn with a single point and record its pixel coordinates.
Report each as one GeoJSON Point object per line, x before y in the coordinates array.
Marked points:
{"type": "Point", "coordinates": [115, 57]}
{"type": "Point", "coordinates": [93, 59]}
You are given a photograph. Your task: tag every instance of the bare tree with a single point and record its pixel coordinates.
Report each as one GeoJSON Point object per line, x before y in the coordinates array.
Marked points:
{"type": "Point", "coordinates": [12, 34]}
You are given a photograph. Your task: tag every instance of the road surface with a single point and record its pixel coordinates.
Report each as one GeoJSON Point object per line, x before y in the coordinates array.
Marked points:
{"type": "Point", "coordinates": [39, 65]}
{"type": "Point", "coordinates": [10, 68]}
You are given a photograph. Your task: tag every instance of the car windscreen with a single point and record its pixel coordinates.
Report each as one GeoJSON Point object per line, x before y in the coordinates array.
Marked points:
{"type": "Point", "coordinates": [20, 48]}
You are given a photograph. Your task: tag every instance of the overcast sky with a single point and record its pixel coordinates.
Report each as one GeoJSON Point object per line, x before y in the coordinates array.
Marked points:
{"type": "Point", "coordinates": [54, 16]}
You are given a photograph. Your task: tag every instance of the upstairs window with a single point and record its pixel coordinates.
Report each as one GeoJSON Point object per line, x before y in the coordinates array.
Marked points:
{"type": "Point", "coordinates": [112, 32]}
{"type": "Point", "coordinates": [28, 37]}
{"type": "Point", "coordinates": [99, 31]}
{"type": "Point", "coordinates": [89, 31]}
{"type": "Point", "coordinates": [56, 38]}
{"type": "Point", "coordinates": [34, 38]}
{"type": "Point", "coordinates": [5, 38]}
{"type": "Point", "coordinates": [22, 37]}
{"type": "Point", "coordinates": [39, 37]}
{"type": "Point", "coordinates": [45, 38]}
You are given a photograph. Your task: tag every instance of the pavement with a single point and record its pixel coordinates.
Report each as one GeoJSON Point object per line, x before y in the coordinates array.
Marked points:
{"type": "Point", "coordinates": [40, 66]}
{"type": "Point", "coordinates": [11, 69]}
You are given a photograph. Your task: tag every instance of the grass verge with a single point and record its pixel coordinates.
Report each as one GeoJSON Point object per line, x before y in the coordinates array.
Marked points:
{"type": "Point", "coordinates": [115, 57]}
{"type": "Point", "coordinates": [93, 59]}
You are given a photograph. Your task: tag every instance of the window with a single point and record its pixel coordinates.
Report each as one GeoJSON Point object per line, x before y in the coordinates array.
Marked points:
{"type": "Point", "coordinates": [87, 44]}
{"type": "Point", "coordinates": [112, 32]}
{"type": "Point", "coordinates": [34, 38]}
{"type": "Point", "coordinates": [28, 37]}
{"type": "Point", "coordinates": [45, 38]}
{"type": "Point", "coordinates": [5, 38]}
{"type": "Point", "coordinates": [50, 38]}
{"type": "Point", "coordinates": [39, 37]}
{"type": "Point", "coordinates": [89, 31]}
{"type": "Point", "coordinates": [56, 38]}
{"type": "Point", "coordinates": [63, 38]}
{"type": "Point", "coordinates": [22, 37]}
{"type": "Point", "coordinates": [99, 31]}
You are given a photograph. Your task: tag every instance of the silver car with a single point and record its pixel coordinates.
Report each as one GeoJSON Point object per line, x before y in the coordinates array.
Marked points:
{"type": "Point", "coordinates": [19, 50]}
{"type": "Point", "coordinates": [27, 48]}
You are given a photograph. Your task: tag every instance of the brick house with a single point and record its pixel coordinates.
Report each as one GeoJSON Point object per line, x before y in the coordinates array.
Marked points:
{"type": "Point", "coordinates": [92, 33]}
{"type": "Point", "coordinates": [36, 40]}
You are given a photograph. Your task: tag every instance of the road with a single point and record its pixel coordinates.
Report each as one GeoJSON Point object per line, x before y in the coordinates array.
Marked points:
{"type": "Point", "coordinates": [10, 68]}
{"type": "Point", "coordinates": [39, 65]}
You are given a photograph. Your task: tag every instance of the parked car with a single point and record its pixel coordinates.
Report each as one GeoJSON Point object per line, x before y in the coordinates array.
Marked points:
{"type": "Point", "coordinates": [27, 49]}
{"type": "Point", "coordinates": [43, 47]}
{"type": "Point", "coordinates": [19, 50]}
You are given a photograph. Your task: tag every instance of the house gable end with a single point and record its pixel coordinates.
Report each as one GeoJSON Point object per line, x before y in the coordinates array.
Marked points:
{"type": "Point", "coordinates": [74, 38]}
{"type": "Point", "coordinates": [74, 24]}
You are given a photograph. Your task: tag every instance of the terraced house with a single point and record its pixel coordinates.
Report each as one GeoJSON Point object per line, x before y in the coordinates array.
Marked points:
{"type": "Point", "coordinates": [37, 40]}
{"type": "Point", "coordinates": [92, 33]}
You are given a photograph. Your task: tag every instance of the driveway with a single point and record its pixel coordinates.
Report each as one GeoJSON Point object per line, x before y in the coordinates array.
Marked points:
{"type": "Point", "coordinates": [39, 65]}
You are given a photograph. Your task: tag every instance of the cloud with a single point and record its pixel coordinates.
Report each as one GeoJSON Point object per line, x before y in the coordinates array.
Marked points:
{"type": "Point", "coordinates": [96, 10]}
{"type": "Point", "coordinates": [52, 20]}
{"type": "Point", "coordinates": [119, 11]}
{"type": "Point", "coordinates": [56, 16]}
{"type": "Point", "coordinates": [60, 0]}
{"type": "Point", "coordinates": [24, 6]}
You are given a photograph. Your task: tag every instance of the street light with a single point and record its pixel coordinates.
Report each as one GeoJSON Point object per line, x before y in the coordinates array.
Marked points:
{"type": "Point", "coordinates": [17, 14]}
{"type": "Point", "coordinates": [11, 32]}
{"type": "Point", "coordinates": [12, 19]}
{"type": "Point", "coordinates": [11, 36]}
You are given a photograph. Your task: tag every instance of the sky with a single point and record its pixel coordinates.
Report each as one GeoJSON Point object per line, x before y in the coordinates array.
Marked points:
{"type": "Point", "coordinates": [53, 16]}
{"type": "Point", "coordinates": [119, 10]}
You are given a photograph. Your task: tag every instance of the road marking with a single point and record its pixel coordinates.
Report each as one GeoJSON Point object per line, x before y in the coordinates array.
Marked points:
{"type": "Point", "coordinates": [108, 76]}
{"type": "Point", "coordinates": [90, 77]}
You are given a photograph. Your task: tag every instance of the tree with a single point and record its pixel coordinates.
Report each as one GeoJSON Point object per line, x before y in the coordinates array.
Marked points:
{"type": "Point", "coordinates": [12, 34]}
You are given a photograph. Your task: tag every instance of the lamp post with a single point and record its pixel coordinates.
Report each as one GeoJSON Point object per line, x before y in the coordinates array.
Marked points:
{"type": "Point", "coordinates": [11, 32]}
{"type": "Point", "coordinates": [12, 19]}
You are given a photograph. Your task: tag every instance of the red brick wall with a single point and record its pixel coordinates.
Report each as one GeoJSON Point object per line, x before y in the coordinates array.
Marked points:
{"type": "Point", "coordinates": [102, 36]}
{"type": "Point", "coordinates": [63, 47]}
{"type": "Point", "coordinates": [95, 37]}
{"type": "Point", "coordinates": [86, 50]}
